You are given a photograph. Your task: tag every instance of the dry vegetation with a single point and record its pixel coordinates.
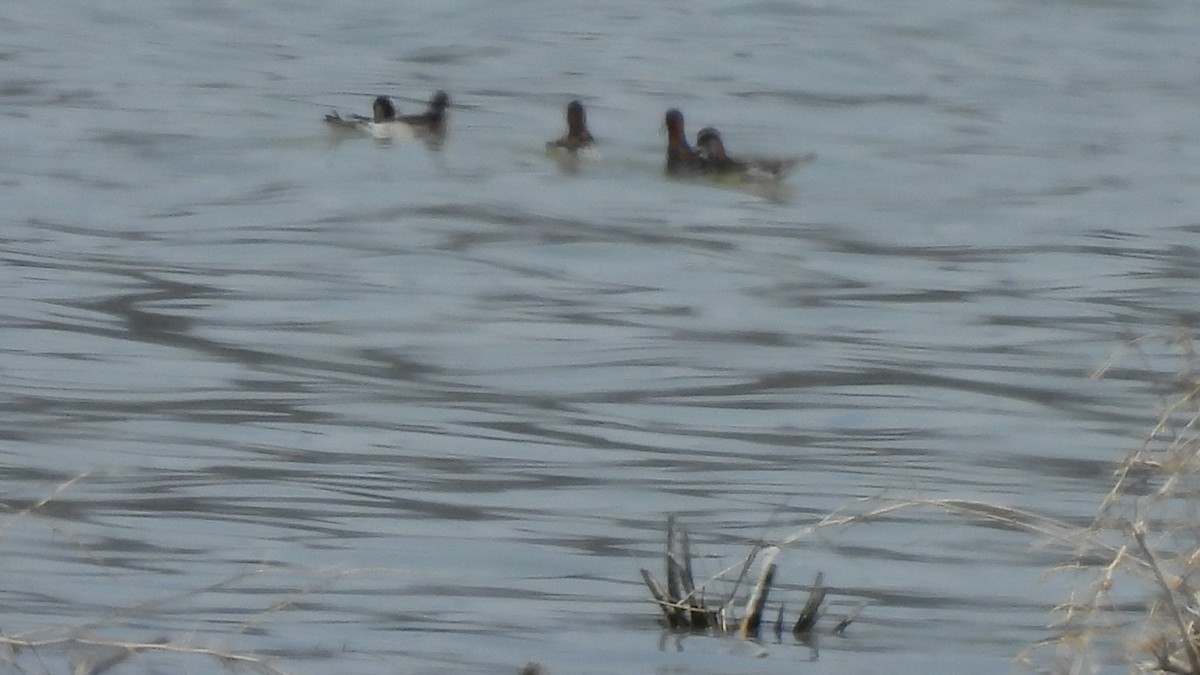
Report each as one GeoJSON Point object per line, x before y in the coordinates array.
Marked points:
{"type": "Point", "coordinates": [1136, 600]}
{"type": "Point", "coordinates": [685, 607]}
{"type": "Point", "coordinates": [1141, 551]}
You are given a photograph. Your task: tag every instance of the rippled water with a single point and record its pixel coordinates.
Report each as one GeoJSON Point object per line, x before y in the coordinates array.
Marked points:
{"type": "Point", "coordinates": [379, 407]}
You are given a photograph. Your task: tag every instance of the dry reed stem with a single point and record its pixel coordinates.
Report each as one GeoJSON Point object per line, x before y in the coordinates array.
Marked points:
{"type": "Point", "coordinates": [681, 584]}
{"type": "Point", "coordinates": [1184, 627]}
{"type": "Point", "coordinates": [752, 617]}
{"type": "Point", "coordinates": [674, 568]}
{"type": "Point", "coordinates": [684, 550]}
{"type": "Point", "coordinates": [655, 590]}
{"type": "Point", "coordinates": [808, 615]}
{"type": "Point", "coordinates": [1174, 476]}
{"type": "Point", "coordinates": [1013, 518]}
{"type": "Point", "coordinates": [680, 603]}
{"type": "Point", "coordinates": [84, 667]}
{"type": "Point", "coordinates": [1158, 479]}
{"type": "Point", "coordinates": [842, 625]}
{"type": "Point", "coordinates": [19, 515]}
{"type": "Point", "coordinates": [677, 601]}
{"type": "Point", "coordinates": [98, 664]}
{"type": "Point", "coordinates": [745, 564]}
{"type": "Point", "coordinates": [257, 663]}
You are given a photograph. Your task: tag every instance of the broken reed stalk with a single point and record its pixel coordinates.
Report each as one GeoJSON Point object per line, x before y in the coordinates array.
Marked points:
{"type": "Point", "coordinates": [747, 563]}
{"type": "Point", "coordinates": [682, 607]}
{"type": "Point", "coordinates": [808, 616]}
{"type": "Point", "coordinates": [752, 618]}
{"type": "Point", "coordinates": [674, 568]}
{"type": "Point", "coordinates": [842, 625]}
{"type": "Point", "coordinates": [680, 583]}
{"type": "Point", "coordinates": [683, 561]}
{"type": "Point", "coordinates": [678, 601]}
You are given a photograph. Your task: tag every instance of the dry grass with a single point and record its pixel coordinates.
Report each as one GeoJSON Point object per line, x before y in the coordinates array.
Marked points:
{"type": "Point", "coordinates": [1148, 532]}
{"type": "Point", "coordinates": [92, 654]}
{"type": "Point", "coordinates": [1141, 551]}
{"type": "Point", "coordinates": [95, 646]}
{"type": "Point", "coordinates": [1137, 596]}
{"type": "Point", "coordinates": [683, 602]}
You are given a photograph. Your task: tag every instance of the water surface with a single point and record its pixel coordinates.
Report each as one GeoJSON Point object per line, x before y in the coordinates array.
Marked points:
{"type": "Point", "coordinates": [367, 407]}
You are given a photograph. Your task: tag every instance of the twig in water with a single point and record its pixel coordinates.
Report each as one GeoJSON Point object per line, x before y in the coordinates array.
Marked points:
{"type": "Point", "coordinates": [812, 608]}
{"type": "Point", "coordinates": [752, 618]}
{"type": "Point", "coordinates": [840, 628]}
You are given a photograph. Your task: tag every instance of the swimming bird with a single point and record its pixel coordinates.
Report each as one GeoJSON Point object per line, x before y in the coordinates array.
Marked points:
{"type": "Point", "coordinates": [681, 159]}
{"type": "Point", "coordinates": [577, 136]}
{"type": "Point", "coordinates": [712, 153]}
{"type": "Point", "coordinates": [433, 120]}
{"type": "Point", "coordinates": [382, 111]}
{"type": "Point", "coordinates": [385, 123]}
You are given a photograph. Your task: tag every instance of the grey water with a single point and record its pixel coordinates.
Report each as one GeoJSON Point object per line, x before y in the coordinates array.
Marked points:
{"type": "Point", "coordinates": [362, 407]}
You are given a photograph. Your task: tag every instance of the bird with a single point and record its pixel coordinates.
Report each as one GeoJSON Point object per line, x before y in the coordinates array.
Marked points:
{"type": "Point", "coordinates": [385, 123]}
{"type": "Point", "coordinates": [711, 151]}
{"type": "Point", "coordinates": [433, 120]}
{"type": "Point", "coordinates": [382, 111]}
{"type": "Point", "coordinates": [381, 124]}
{"type": "Point", "coordinates": [577, 137]}
{"type": "Point", "coordinates": [682, 160]}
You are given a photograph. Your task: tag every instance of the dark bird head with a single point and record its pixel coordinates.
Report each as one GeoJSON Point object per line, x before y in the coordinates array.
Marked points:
{"type": "Point", "coordinates": [674, 122]}
{"type": "Point", "coordinates": [708, 139]}
{"type": "Point", "coordinates": [439, 102]}
{"type": "Point", "coordinates": [383, 110]}
{"type": "Point", "coordinates": [576, 120]}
